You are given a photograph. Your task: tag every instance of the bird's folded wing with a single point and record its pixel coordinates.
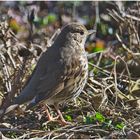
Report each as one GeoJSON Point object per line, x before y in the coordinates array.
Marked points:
{"type": "Point", "coordinates": [55, 79]}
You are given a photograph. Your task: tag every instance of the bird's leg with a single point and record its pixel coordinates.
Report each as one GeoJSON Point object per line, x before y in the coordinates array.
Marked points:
{"type": "Point", "coordinates": [62, 120]}
{"type": "Point", "coordinates": [50, 118]}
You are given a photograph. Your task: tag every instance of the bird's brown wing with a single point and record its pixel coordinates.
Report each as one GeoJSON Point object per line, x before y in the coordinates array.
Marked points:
{"type": "Point", "coordinates": [51, 82]}
{"type": "Point", "coordinates": [57, 77]}
{"type": "Point", "coordinates": [46, 76]}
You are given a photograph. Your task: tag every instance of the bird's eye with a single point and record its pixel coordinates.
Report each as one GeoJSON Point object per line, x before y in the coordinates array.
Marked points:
{"type": "Point", "coordinates": [81, 32]}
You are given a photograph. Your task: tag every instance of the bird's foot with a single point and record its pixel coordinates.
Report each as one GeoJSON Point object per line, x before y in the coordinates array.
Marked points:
{"type": "Point", "coordinates": [63, 122]}
{"type": "Point", "coordinates": [52, 119]}
{"type": "Point", "coordinates": [58, 120]}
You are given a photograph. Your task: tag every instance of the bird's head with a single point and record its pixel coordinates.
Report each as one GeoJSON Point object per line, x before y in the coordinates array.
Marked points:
{"type": "Point", "coordinates": [75, 31]}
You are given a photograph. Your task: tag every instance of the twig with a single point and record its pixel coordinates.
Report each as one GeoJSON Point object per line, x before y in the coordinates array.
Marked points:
{"type": "Point", "coordinates": [51, 40]}
{"type": "Point", "coordinates": [104, 71]}
{"type": "Point", "coordinates": [130, 16]}
{"type": "Point", "coordinates": [6, 74]}
{"type": "Point", "coordinates": [11, 58]}
{"type": "Point", "coordinates": [12, 129]}
{"type": "Point", "coordinates": [12, 92]}
{"type": "Point", "coordinates": [91, 55]}
{"type": "Point", "coordinates": [115, 76]}
{"type": "Point", "coordinates": [125, 47]}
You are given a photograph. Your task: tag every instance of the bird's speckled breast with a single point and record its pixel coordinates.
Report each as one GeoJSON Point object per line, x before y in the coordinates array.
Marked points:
{"type": "Point", "coordinates": [78, 82]}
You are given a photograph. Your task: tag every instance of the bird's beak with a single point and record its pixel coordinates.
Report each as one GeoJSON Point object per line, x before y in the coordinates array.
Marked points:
{"type": "Point", "coordinates": [91, 32]}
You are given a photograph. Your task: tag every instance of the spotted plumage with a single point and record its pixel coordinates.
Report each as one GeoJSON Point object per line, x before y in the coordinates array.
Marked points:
{"type": "Point", "coordinates": [61, 72]}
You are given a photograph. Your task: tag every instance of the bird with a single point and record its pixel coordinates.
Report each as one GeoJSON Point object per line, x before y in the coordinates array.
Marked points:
{"type": "Point", "coordinates": [61, 72]}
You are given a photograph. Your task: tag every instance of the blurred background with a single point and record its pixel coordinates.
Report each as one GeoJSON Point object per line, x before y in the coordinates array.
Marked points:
{"type": "Point", "coordinates": [46, 16]}
{"type": "Point", "coordinates": [43, 18]}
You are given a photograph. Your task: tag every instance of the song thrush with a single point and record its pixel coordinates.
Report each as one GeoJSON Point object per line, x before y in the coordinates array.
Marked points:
{"type": "Point", "coordinates": [61, 72]}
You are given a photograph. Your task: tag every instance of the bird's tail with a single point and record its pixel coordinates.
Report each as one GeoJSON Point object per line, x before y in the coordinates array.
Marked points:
{"type": "Point", "coordinates": [21, 99]}
{"type": "Point", "coordinates": [10, 108]}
